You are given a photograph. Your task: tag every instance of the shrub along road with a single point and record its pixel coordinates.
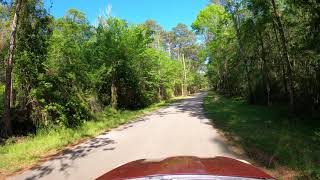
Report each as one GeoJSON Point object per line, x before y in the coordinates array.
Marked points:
{"type": "Point", "coordinates": [178, 129]}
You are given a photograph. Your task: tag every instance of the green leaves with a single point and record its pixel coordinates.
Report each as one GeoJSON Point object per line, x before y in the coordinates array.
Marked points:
{"type": "Point", "coordinates": [212, 19]}
{"type": "Point", "coordinates": [258, 50]}
{"type": "Point", "coordinates": [62, 64]}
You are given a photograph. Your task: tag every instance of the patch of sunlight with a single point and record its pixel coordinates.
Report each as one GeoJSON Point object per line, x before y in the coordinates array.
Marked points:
{"type": "Point", "coordinates": [215, 99]}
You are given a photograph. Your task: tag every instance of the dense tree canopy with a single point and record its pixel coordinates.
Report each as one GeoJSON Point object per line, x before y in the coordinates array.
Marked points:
{"type": "Point", "coordinates": [66, 70]}
{"type": "Point", "coordinates": [265, 51]}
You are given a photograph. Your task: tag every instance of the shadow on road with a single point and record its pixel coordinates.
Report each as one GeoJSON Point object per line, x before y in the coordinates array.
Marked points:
{"type": "Point", "coordinates": [131, 124]}
{"type": "Point", "coordinates": [66, 158]}
{"type": "Point", "coordinates": [193, 106]}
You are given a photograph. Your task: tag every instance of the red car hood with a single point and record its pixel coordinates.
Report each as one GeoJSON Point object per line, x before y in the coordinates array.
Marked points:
{"type": "Point", "coordinates": [185, 165]}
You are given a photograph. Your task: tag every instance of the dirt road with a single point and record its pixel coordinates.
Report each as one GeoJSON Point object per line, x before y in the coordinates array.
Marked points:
{"type": "Point", "coordinates": [178, 129]}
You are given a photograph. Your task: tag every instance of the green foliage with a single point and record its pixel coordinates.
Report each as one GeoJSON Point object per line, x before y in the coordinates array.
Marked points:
{"type": "Point", "coordinates": [215, 24]}
{"type": "Point", "coordinates": [4, 36]}
{"type": "Point", "coordinates": [247, 58]}
{"type": "Point", "coordinates": [66, 70]}
{"type": "Point", "coordinates": [120, 50]}
{"type": "Point", "coordinates": [1, 96]}
{"type": "Point", "coordinates": [259, 50]}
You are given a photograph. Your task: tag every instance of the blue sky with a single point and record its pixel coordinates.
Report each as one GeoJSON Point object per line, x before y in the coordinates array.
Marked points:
{"type": "Point", "coordinates": [167, 13]}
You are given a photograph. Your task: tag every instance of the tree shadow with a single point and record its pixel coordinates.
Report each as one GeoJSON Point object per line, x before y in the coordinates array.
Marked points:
{"type": "Point", "coordinates": [131, 123]}
{"type": "Point", "coordinates": [193, 106]}
{"type": "Point", "coordinates": [227, 148]}
{"type": "Point", "coordinates": [65, 160]}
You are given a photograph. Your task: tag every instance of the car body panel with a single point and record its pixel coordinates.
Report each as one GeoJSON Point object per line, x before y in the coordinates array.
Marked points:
{"type": "Point", "coordinates": [186, 165]}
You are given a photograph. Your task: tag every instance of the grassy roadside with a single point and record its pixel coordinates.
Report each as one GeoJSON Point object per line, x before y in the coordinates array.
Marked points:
{"type": "Point", "coordinates": [267, 136]}
{"type": "Point", "coordinates": [16, 156]}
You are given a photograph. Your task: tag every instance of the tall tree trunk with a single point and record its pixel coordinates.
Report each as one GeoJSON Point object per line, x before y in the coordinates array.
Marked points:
{"type": "Point", "coordinates": [284, 45]}
{"type": "Point", "coordinates": [237, 28]}
{"type": "Point", "coordinates": [316, 101]}
{"type": "Point", "coordinates": [160, 95]}
{"type": "Point", "coordinates": [252, 98]}
{"type": "Point", "coordinates": [7, 131]}
{"type": "Point", "coordinates": [184, 86]}
{"type": "Point", "coordinates": [265, 69]}
{"type": "Point", "coordinates": [282, 66]}
{"type": "Point", "coordinates": [225, 78]}
{"type": "Point", "coordinates": [114, 96]}
{"type": "Point", "coordinates": [169, 50]}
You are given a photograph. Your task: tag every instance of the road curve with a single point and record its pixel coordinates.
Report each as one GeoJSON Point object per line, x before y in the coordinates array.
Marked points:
{"type": "Point", "coordinates": [178, 129]}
